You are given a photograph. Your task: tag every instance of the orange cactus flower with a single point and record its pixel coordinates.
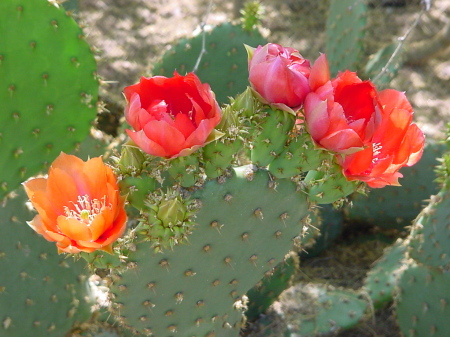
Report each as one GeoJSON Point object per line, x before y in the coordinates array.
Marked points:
{"type": "Point", "coordinates": [78, 205]}
{"type": "Point", "coordinates": [396, 143]}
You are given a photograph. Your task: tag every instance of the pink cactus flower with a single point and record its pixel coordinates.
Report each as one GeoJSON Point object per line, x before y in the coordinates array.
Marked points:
{"type": "Point", "coordinates": [279, 75]}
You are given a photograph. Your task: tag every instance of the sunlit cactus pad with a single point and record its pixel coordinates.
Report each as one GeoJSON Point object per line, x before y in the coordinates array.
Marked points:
{"type": "Point", "coordinates": [245, 227]}
{"type": "Point", "coordinates": [48, 88]}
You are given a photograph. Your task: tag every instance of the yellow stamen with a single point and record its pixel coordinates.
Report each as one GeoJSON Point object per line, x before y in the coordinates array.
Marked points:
{"type": "Point", "coordinates": [86, 209]}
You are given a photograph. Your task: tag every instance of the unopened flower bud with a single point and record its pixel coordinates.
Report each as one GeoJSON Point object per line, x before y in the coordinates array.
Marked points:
{"type": "Point", "coordinates": [246, 103]}
{"type": "Point", "coordinates": [171, 212]}
{"type": "Point", "coordinates": [131, 160]}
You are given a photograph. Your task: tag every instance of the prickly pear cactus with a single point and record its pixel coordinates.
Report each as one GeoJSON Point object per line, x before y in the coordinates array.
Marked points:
{"type": "Point", "coordinates": [41, 293]}
{"type": "Point", "coordinates": [381, 280]}
{"type": "Point", "coordinates": [48, 88]}
{"type": "Point", "coordinates": [261, 296]}
{"type": "Point", "coordinates": [326, 225]}
{"type": "Point", "coordinates": [422, 303]}
{"type": "Point", "coordinates": [430, 236]}
{"type": "Point", "coordinates": [223, 66]}
{"type": "Point", "coordinates": [270, 135]}
{"type": "Point", "coordinates": [345, 31]}
{"type": "Point", "coordinates": [311, 310]}
{"type": "Point", "coordinates": [197, 288]}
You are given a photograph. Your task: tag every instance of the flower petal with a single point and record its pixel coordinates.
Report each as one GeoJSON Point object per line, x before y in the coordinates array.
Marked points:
{"type": "Point", "coordinates": [184, 124]}
{"type": "Point", "coordinates": [390, 99]}
{"type": "Point", "coordinates": [316, 116]}
{"type": "Point", "coordinates": [320, 73]}
{"type": "Point", "coordinates": [165, 135]}
{"type": "Point", "coordinates": [62, 189]}
{"type": "Point", "coordinates": [74, 229]}
{"type": "Point", "coordinates": [147, 145]}
{"type": "Point", "coordinates": [345, 141]}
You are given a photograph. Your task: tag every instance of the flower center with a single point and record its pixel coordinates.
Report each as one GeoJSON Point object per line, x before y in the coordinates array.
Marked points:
{"type": "Point", "coordinates": [86, 209]}
{"type": "Point", "coordinates": [376, 152]}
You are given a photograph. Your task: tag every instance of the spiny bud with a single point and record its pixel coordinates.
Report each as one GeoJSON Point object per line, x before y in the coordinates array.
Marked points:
{"type": "Point", "coordinates": [131, 160]}
{"type": "Point", "coordinates": [167, 220]}
{"type": "Point", "coordinates": [246, 103]}
{"type": "Point", "coordinates": [171, 212]}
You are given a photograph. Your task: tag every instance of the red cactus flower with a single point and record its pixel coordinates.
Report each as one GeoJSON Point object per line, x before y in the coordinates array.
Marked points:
{"type": "Point", "coordinates": [396, 143]}
{"type": "Point", "coordinates": [341, 114]}
{"type": "Point", "coordinates": [171, 117]}
{"type": "Point", "coordinates": [279, 75]}
{"type": "Point", "coordinates": [79, 206]}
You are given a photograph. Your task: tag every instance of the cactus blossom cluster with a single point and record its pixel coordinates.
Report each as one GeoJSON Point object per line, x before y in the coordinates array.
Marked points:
{"type": "Point", "coordinates": [370, 133]}
{"type": "Point", "coordinates": [295, 130]}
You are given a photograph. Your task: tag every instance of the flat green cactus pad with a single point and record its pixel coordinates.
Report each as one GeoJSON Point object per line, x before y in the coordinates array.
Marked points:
{"type": "Point", "coordinates": [423, 303]}
{"type": "Point", "coordinates": [246, 226]}
{"type": "Point", "coordinates": [383, 66]}
{"type": "Point", "coordinates": [345, 31]}
{"type": "Point", "coordinates": [430, 236]}
{"type": "Point", "coordinates": [266, 292]}
{"type": "Point", "coordinates": [42, 294]}
{"type": "Point", "coordinates": [224, 65]}
{"type": "Point", "coordinates": [381, 279]}
{"type": "Point", "coordinates": [48, 88]}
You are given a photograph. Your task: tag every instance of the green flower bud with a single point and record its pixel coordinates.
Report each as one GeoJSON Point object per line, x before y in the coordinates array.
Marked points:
{"type": "Point", "coordinates": [246, 103]}
{"type": "Point", "coordinates": [131, 161]}
{"type": "Point", "coordinates": [171, 212]}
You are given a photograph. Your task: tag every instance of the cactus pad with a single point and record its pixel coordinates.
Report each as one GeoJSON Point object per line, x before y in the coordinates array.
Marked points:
{"type": "Point", "coordinates": [223, 66]}
{"type": "Point", "coordinates": [266, 292]}
{"type": "Point", "coordinates": [48, 88]}
{"type": "Point", "coordinates": [246, 225]}
{"type": "Point", "coordinates": [381, 279]}
{"type": "Point", "coordinates": [41, 293]}
{"type": "Point", "coordinates": [430, 237]}
{"type": "Point", "coordinates": [345, 31]}
{"type": "Point", "coordinates": [384, 65]}
{"type": "Point", "coordinates": [312, 309]}
{"type": "Point", "coordinates": [423, 303]}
